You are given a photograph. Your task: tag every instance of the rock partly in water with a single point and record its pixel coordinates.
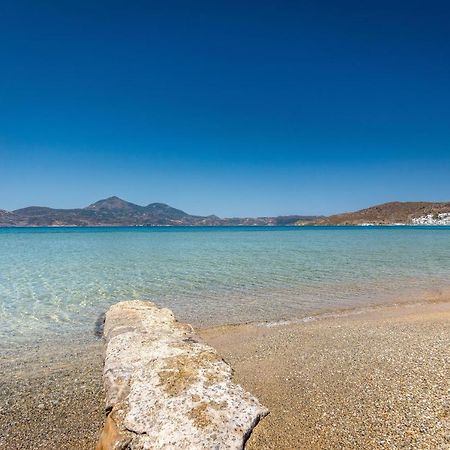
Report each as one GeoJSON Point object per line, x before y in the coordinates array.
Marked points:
{"type": "Point", "coordinates": [165, 390]}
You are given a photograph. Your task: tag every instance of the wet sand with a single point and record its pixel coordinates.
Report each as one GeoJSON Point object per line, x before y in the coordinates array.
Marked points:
{"type": "Point", "coordinates": [370, 379]}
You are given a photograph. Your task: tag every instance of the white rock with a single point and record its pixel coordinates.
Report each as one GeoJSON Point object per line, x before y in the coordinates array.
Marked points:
{"type": "Point", "coordinates": [165, 390]}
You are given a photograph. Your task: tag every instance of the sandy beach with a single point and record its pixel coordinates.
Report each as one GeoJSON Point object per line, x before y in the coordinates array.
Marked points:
{"type": "Point", "coordinates": [52, 398]}
{"type": "Point", "coordinates": [377, 378]}
{"type": "Point", "coordinates": [374, 379]}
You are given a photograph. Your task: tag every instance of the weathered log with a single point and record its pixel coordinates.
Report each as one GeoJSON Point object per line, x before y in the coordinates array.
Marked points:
{"type": "Point", "coordinates": [165, 390]}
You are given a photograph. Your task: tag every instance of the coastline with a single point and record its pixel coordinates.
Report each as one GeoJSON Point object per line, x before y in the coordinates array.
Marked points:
{"type": "Point", "coordinates": [376, 379]}
{"type": "Point", "coordinates": [271, 226]}
{"type": "Point", "coordinates": [373, 377]}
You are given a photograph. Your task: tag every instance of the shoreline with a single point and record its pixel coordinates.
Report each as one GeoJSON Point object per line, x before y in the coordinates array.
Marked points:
{"type": "Point", "coordinates": [419, 298]}
{"type": "Point", "coordinates": [24, 345]}
{"type": "Point", "coordinates": [424, 225]}
{"type": "Point", "coordinates": [376, 379]}
{"type": "Point", "coordinates": [58, 392]}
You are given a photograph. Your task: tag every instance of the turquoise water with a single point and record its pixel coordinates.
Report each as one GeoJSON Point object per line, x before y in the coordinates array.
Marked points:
{"type": "Point", "coordinates": [55, 282]}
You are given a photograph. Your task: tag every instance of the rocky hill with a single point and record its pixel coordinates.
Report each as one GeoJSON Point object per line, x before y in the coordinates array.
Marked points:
{"type": "Point", "coordinates": [6, 218]}
{"type": "Point", "coordinates": [114, 211]}
{"type": "Point", "coordinates": [391, 213]}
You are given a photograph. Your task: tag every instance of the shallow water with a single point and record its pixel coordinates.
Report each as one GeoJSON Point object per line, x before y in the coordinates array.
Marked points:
{"type": "Point", "coordinates": [54, 282]}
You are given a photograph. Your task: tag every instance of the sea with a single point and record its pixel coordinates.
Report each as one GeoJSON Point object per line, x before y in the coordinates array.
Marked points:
{"type": "Point", "coordinates": [56, 282]}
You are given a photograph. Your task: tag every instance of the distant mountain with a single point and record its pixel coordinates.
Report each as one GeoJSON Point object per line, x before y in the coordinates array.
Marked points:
{"type": "Point", "coordinates": [391, 213]}
{"type": "Point", "coordinates": [6, 218]}
{"type": "Point", "coordinates": [114, 211]}
{"type": "Point", "coordinates": [113, 203]}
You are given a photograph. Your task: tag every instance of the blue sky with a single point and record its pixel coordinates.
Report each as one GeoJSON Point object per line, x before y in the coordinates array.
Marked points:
{"type": "Point", "coordinates": [232, 108]}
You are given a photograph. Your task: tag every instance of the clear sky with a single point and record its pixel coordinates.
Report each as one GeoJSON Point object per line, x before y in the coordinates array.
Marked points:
{"type": "Point", "coordinates": [225, 107]}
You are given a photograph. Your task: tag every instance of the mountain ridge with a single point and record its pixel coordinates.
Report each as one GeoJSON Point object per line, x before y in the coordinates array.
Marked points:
{"type": "Point", "coordinates": [114, 211]}
{"type": "Point", "coordinates": [113, 202]}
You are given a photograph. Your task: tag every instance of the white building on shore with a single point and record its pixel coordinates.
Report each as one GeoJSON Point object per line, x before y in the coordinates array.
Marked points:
{"type": "Point", "coordinates": [433, 219]}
